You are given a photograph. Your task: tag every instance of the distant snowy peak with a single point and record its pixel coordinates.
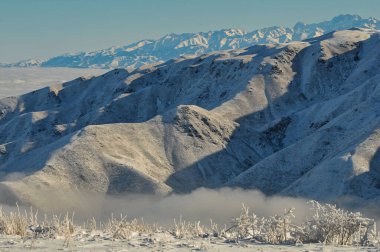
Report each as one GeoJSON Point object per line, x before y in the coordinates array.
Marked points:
{"type": "Point", "coordinates": [303, 31]}
{"type": "Point", "coordinates": [175, 45]}
{"type": "Point", "coordinates": [28, 63]}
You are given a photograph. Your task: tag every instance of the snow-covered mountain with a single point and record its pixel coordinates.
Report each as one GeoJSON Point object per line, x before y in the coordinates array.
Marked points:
{"type": "Point", "coordinates": [176, 45]}
{"type": "Point", "coordinates": [300, 119]}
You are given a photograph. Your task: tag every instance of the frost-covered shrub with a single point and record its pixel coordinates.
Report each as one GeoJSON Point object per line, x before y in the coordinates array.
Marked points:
{"type": "Point", "coordinates": [274, 229]}
{"type": "Point", "coordinates": [331, 225]}
{"type": "Point", "coordinates": [277, 228]}
{"type": "Point", "coordinates": [327, 224]}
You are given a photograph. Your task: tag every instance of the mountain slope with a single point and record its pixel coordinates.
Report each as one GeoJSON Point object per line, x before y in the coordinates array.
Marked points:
{"type": "Point", "coordinates": [299, 119]}
{"type": "Point", "coordinates": [175, 45]}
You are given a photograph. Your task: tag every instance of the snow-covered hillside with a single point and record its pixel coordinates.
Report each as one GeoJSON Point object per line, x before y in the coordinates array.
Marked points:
{"type": "Point", "coordinates": [176, 45]}
{"type": "Point", "coordinates": [300, 119]}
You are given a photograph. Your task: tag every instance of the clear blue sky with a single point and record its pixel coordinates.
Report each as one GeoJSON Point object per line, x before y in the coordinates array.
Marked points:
{"type": "Point", "coordinates": [45, 28]}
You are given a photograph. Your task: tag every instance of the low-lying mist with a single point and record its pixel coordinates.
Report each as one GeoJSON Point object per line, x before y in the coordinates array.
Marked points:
{"type": "Point", "coordinates": [203, 204]}
{"type": "Point", "coordinates": [221, 205]}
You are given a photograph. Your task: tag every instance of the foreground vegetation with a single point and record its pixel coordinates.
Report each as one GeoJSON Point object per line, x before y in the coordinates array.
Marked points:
{"type": "Point", "coordinates": [325, 224]}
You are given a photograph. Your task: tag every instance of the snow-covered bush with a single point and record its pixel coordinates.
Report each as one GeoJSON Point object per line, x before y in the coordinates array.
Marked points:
{"type": "Point", "coordinates": [274, 229]}
{"type": "Point", "coordinates": [327, 224]}
{"type": "Point", "coordinates": [331, 225]}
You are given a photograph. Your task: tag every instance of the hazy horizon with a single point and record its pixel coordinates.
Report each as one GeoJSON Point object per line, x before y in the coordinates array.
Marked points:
{"type": "Point", "coordinates": [44, 28]}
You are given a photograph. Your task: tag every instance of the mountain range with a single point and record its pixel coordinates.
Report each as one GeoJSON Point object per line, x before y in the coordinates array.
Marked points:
{"type": "Point", "coordinates": [299, 119]}
{"type": "Point", "coordinates": [175, 45]}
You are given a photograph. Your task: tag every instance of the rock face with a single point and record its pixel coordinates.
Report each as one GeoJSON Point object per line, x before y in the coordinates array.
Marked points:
{"type": "Point", "coordinates": [175, 45]}
{"type": "Point", "coordinates": [299, 119]}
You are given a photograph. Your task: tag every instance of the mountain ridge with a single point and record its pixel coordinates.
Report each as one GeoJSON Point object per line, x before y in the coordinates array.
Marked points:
{"type": "Point", "coordinates": [175, 45]}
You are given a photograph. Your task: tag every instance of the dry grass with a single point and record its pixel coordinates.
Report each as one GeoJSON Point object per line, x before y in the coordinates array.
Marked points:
{"type": "Point", "coordinates": [187, 229]}
{"type": "Point", "coordinates": [327, 224]}
{"type": "Point", "coordinates": [123, 228]}
{"type": "Point", "coordinates": [14, 223]}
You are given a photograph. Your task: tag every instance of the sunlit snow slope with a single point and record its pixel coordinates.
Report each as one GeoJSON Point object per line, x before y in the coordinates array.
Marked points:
{"type": "Point", "coordinates": [300, 119]}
